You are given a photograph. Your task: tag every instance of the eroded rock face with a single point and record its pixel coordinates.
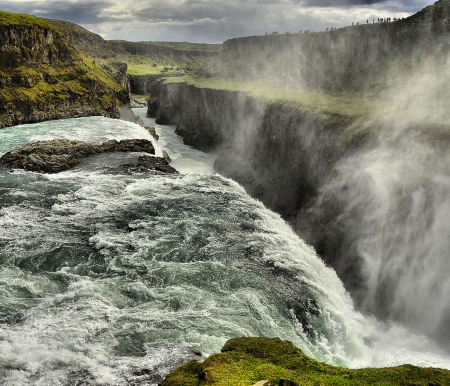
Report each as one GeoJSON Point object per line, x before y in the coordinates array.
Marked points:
{"type": "Point", "coordinates": [62, 154]}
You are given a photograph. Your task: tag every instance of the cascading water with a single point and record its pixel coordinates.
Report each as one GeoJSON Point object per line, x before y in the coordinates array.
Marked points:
{"type": "Point", "coordinates": [393, 205]}
{"type": "Point", "coordinates": [104, 274]}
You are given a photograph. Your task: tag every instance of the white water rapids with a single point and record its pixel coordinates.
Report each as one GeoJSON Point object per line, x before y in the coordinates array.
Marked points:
{"type": "Point", "coordinates": [103, 274]}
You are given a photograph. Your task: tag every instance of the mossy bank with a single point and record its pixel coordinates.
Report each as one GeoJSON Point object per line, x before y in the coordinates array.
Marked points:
{"type": "Point", "coordinates": [246, 361]}
{"type": "Point", "coordinates": [44, 75]}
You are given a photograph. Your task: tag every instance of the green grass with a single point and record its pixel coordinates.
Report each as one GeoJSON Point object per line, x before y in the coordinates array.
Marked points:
{"type": "Point", "coordinates": [345, 103]}
{"type": "Point", "coordinates": [245, 361]}
{"type": "Point", "coordinates": [186, 46]}
{"type": "Point", "coordinates": [15, 19]}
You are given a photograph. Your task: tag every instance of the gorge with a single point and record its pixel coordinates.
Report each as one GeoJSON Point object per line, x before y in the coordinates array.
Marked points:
{"type": "Point", "coordinates": [343, 133]}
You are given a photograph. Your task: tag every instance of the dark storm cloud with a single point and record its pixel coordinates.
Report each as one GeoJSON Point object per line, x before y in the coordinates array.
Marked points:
{"type": "Point", "coordinates": [82, 12]}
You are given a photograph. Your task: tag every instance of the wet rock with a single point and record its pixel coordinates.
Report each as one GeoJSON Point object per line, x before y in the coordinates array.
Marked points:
{"type": "Point", "coordinates": [196, 352]}
{"type": "Point", "coordinates": [151, 164]}
{"type": "Point", "coordinates": [145, 377]}
{"type": "Point", "coordinates": [62, 154]}
{"type": "Point", "coordinates": [166, 156]}
{"type": "Point", "coordinates": [152, 132]}
{"type": "Point", "coordinates": [142, 372]}
{"type": "Point", "coordinates": [139, 121]}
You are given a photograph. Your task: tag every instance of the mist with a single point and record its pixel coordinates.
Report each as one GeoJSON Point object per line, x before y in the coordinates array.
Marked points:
{"type": "Point", "coordinates": [394, 205]}
{"type": "Point", "coordinates": [370, 190]}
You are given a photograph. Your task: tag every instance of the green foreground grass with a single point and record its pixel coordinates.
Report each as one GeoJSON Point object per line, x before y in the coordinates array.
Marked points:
{"type": "Point", "coordinates": [245, 361]}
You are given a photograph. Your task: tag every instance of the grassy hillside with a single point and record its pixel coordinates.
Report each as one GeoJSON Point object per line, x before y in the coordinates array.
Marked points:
{"type": "Point", "coordinates": [43, 75]}
{"type": "Point", "coordinates": [245, 361]}
{"type": "Point", "coordinates": [162, 58]}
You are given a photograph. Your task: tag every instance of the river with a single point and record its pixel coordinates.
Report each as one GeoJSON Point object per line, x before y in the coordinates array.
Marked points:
{"type": "Point", "coordinates": [109, 278]}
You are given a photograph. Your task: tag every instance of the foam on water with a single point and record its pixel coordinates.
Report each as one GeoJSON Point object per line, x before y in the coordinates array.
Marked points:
{"type": "Point", "coordinates": [106, 274]}
{"type": "Point", "coordinates": [90, 129]}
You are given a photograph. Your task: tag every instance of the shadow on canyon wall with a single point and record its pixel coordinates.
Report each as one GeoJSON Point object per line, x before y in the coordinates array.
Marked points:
{"type": "Point", "coordinates": [368, 187]}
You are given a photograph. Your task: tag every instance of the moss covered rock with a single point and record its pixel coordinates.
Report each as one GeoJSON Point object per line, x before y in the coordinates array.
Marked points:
{"type": "Point", "coordinates": [246, 361]}
{"type": "Point", "coordinates": [43, 75]}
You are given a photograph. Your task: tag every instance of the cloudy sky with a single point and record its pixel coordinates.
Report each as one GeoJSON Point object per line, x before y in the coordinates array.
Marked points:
{"type": "Point", "coordinates": [210, 20]}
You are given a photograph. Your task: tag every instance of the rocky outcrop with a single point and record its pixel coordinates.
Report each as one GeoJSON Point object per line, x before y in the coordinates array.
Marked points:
{"type": "Point", "coordinates": [281, 155]}
{"type": "Point", "coordinates": [357, 58]}
{"type": "Point", "coordinates": [154, 50]}
{"type": "Point", "coordinates": [141, 84]}
{"type": "Point", "coordinates": [439, 13]}
{"type": "Point", "coordinates": [243, 361]}
{"type": "Point", "coordinates": [146, 163]}
{"type": "Point", "coordinates": [30, 44]}
{"type": "Point", "coordinates": [46, 74]}
{"type": "Point", "coordinates": [62, 154]}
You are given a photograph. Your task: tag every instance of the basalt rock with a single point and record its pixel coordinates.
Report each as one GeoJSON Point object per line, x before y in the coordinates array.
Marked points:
{"type": "Point", "coordinates": [62, 154]}
{"type": "Point", "coordinates": [151, 164]}
{"type": "Point", "coordinates": [165, 114]}
{"type": "Point", "coordinates": [152, 132]}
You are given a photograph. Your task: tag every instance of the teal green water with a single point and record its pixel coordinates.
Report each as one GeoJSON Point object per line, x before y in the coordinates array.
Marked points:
{"type": "Point", "coordinates": [104, 274]}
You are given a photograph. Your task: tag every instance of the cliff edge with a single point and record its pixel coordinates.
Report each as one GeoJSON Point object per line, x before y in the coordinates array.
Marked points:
{"type": "Point", "coordinates": [45, 75]}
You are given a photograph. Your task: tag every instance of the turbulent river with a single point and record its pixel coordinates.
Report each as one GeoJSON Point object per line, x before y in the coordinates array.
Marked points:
{"type": "Point", "coordinates": [112, 278]}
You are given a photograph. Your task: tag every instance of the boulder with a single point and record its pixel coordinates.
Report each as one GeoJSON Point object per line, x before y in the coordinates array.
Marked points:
{"type": "Point", "coordinates": [62, 154]}
{"type": "Point", "coordinates": [150, 164]}
{"type": "Point", "coordinates": [152, 132]}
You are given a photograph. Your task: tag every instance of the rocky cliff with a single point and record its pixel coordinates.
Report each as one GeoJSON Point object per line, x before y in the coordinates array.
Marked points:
{"type": "Point", "coordinates": [356, 58]}
{"type": "Point", "coordinates": [142, 84]}
{"type": "Point", "coordinates": [44, 75]}
{"type": "Point", "coordinates": [156, 50]}
{"type": "Point", "coordinates": [281, 154]}
{"type": "Point", "coordinates": [293, 155]}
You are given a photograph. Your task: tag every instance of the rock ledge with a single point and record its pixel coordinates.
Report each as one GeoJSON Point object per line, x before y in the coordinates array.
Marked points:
{"type": "Point", "coordinates": [62, 154]}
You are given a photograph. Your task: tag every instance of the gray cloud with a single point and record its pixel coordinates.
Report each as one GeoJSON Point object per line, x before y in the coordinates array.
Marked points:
{"type": "Point", "coordinates": [81, 11]}
{"type": "Point", "coordinates": [211, 20]}
{"type": "Point", "coordinates": [340, 3]}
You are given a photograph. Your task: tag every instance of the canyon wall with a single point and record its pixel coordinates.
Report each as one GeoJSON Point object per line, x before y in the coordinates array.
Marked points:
{"type": "Point", "coordinates": [44, 75]}
{"type": "Point", "coordinates": [279, 153]}
{"type": "Point", "coordinates": [357, 58]}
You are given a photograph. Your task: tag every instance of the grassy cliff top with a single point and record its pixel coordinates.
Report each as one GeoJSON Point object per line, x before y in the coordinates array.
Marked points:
{"type": "Point", "coordinates": [186, 46]}
{"type": "Point", "coordinates": [343, 103]}
{"type": "Point", "coordinates": [246, 361]}
{"type": "Point", "coordinates": [16, 19]}
{"type": "Point", "coordinates": [42, 74]}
